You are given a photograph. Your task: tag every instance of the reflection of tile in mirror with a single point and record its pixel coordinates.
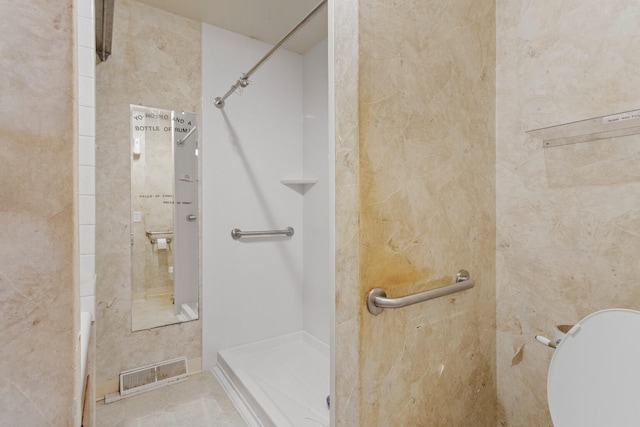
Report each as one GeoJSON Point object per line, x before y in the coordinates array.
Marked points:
{"type": "Point", "coordinates": [153, 311]}
{"type": "Point", "coordinates": [153, 209]}
{"type": "Point", "coordinates": [603, 162]}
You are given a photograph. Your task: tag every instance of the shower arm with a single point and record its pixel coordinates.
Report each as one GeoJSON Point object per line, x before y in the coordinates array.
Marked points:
{"type": "Point", "coordinates": [244, 80]}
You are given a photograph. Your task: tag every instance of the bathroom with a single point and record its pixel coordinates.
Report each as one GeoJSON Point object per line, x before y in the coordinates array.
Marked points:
{"type": "Point", "coordinates": [548, 234]}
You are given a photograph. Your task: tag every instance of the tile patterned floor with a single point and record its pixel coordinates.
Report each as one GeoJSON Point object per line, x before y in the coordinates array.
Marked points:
{"type": "Point", "coordinates": [198, 402]}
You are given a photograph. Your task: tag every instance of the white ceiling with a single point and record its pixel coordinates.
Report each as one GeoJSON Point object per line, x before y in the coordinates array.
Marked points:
{"type": "Point", "coordinates": [265, 20]}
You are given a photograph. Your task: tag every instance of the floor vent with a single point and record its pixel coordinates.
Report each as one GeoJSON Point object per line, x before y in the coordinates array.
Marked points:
{"type": "Point", "coordinates": [138, 380]}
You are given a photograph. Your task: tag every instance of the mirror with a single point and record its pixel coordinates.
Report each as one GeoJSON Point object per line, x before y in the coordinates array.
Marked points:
{"type": "Point", "coordinates": [164, 212]}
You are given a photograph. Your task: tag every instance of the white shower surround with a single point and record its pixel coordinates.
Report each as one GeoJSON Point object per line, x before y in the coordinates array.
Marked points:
{"type": "Point", "coordinates": [277, 129]}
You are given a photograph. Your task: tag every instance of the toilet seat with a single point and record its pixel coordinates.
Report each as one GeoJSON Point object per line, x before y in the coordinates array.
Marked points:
{"type": "Point", "coordinates": [594, 376]}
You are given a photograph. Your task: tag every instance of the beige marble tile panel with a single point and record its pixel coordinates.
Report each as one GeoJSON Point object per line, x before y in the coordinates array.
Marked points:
{"type": "Point", "coordinates": [567, 216]}
{"type": "Point", "coordinates": [38, 284]}
{"type": "Point", "coordinates": [347, 298]}
{"type": "Point", "coordinates": [155, 62]}
{"type": "Point", "coordinates": [426, 192]}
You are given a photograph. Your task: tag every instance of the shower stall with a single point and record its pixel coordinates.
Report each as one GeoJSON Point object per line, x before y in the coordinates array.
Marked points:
{"type": "Point", "coordinates": [267, 290]}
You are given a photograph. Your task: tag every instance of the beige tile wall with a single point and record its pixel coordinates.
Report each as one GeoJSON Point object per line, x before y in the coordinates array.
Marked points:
{"type": "Point", "coordinates": [155, 62]}
{"type": "Point", "coordinates": [39, 290]}
{"type": "Point", "coordinates": [347, 296]}
{"type": "Point", "coordinates": [424, 205]}
{"type": "Point", "coordinates": [568, 217]}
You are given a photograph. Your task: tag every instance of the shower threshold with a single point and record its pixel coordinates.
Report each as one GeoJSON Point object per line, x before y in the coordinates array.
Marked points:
{"type": "Point", "coordinates": [279, 382]}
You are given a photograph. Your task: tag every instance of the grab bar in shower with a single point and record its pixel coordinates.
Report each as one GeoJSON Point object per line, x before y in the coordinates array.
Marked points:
{"type": "Point", "coordinates": [377, 299]}
{"type": "Point", "coordinates": [236, 233]}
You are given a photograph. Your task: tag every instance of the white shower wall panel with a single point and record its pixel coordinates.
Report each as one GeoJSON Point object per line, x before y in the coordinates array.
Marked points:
{"type": "Point", "coordinates": [252, 288]}
{"type": "Point", "coordinates": [317, 271]}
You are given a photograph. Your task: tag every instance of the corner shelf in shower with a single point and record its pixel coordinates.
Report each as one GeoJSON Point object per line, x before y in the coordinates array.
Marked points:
{"type": "Point", "coordinates": [300, 185]}
{"type": "Point", "coordinates": [613, 126]}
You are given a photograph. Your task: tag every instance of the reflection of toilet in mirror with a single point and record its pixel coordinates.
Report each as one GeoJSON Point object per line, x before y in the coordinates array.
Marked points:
{"type": "Point", "coordinates": [594, 374]}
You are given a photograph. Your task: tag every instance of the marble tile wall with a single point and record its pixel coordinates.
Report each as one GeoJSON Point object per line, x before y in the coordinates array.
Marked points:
{"type": "Point", "coordinates": [39, 292]}
{"type": "Point", "coordinates": [347, 296]}
{"type": "Point", "coordinates": [420, 206]}
{"type": "Point", "coordinates": [568, 217]}
{"type": "Point", "coordinates": [155, 62]}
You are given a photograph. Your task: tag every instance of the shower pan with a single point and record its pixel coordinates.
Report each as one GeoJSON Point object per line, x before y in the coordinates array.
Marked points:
{"type": "Point", "coordinates": [279, 382]}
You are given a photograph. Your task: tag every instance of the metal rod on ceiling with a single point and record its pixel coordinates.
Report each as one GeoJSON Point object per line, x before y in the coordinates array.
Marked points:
{"type": "Point", "coordinates": [244, 80]}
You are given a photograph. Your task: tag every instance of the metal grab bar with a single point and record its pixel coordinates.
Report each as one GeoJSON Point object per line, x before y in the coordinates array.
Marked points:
{"type": "Point", "coordinates": [154, 241]}
{"type": "Point", "coordinates": [377, 299]}
{"type": "Point", "coordinates": [236, 233]}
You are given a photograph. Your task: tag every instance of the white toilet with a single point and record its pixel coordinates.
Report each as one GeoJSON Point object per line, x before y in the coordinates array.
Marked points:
{"type": "Point", "coordinates": [594, 377]}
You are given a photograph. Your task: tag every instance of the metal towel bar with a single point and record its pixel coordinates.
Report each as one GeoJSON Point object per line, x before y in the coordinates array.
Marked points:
{"type": "Point", "coordinates": [377, 299]}
{"type": "Point", "coordinates": [236, 233]}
